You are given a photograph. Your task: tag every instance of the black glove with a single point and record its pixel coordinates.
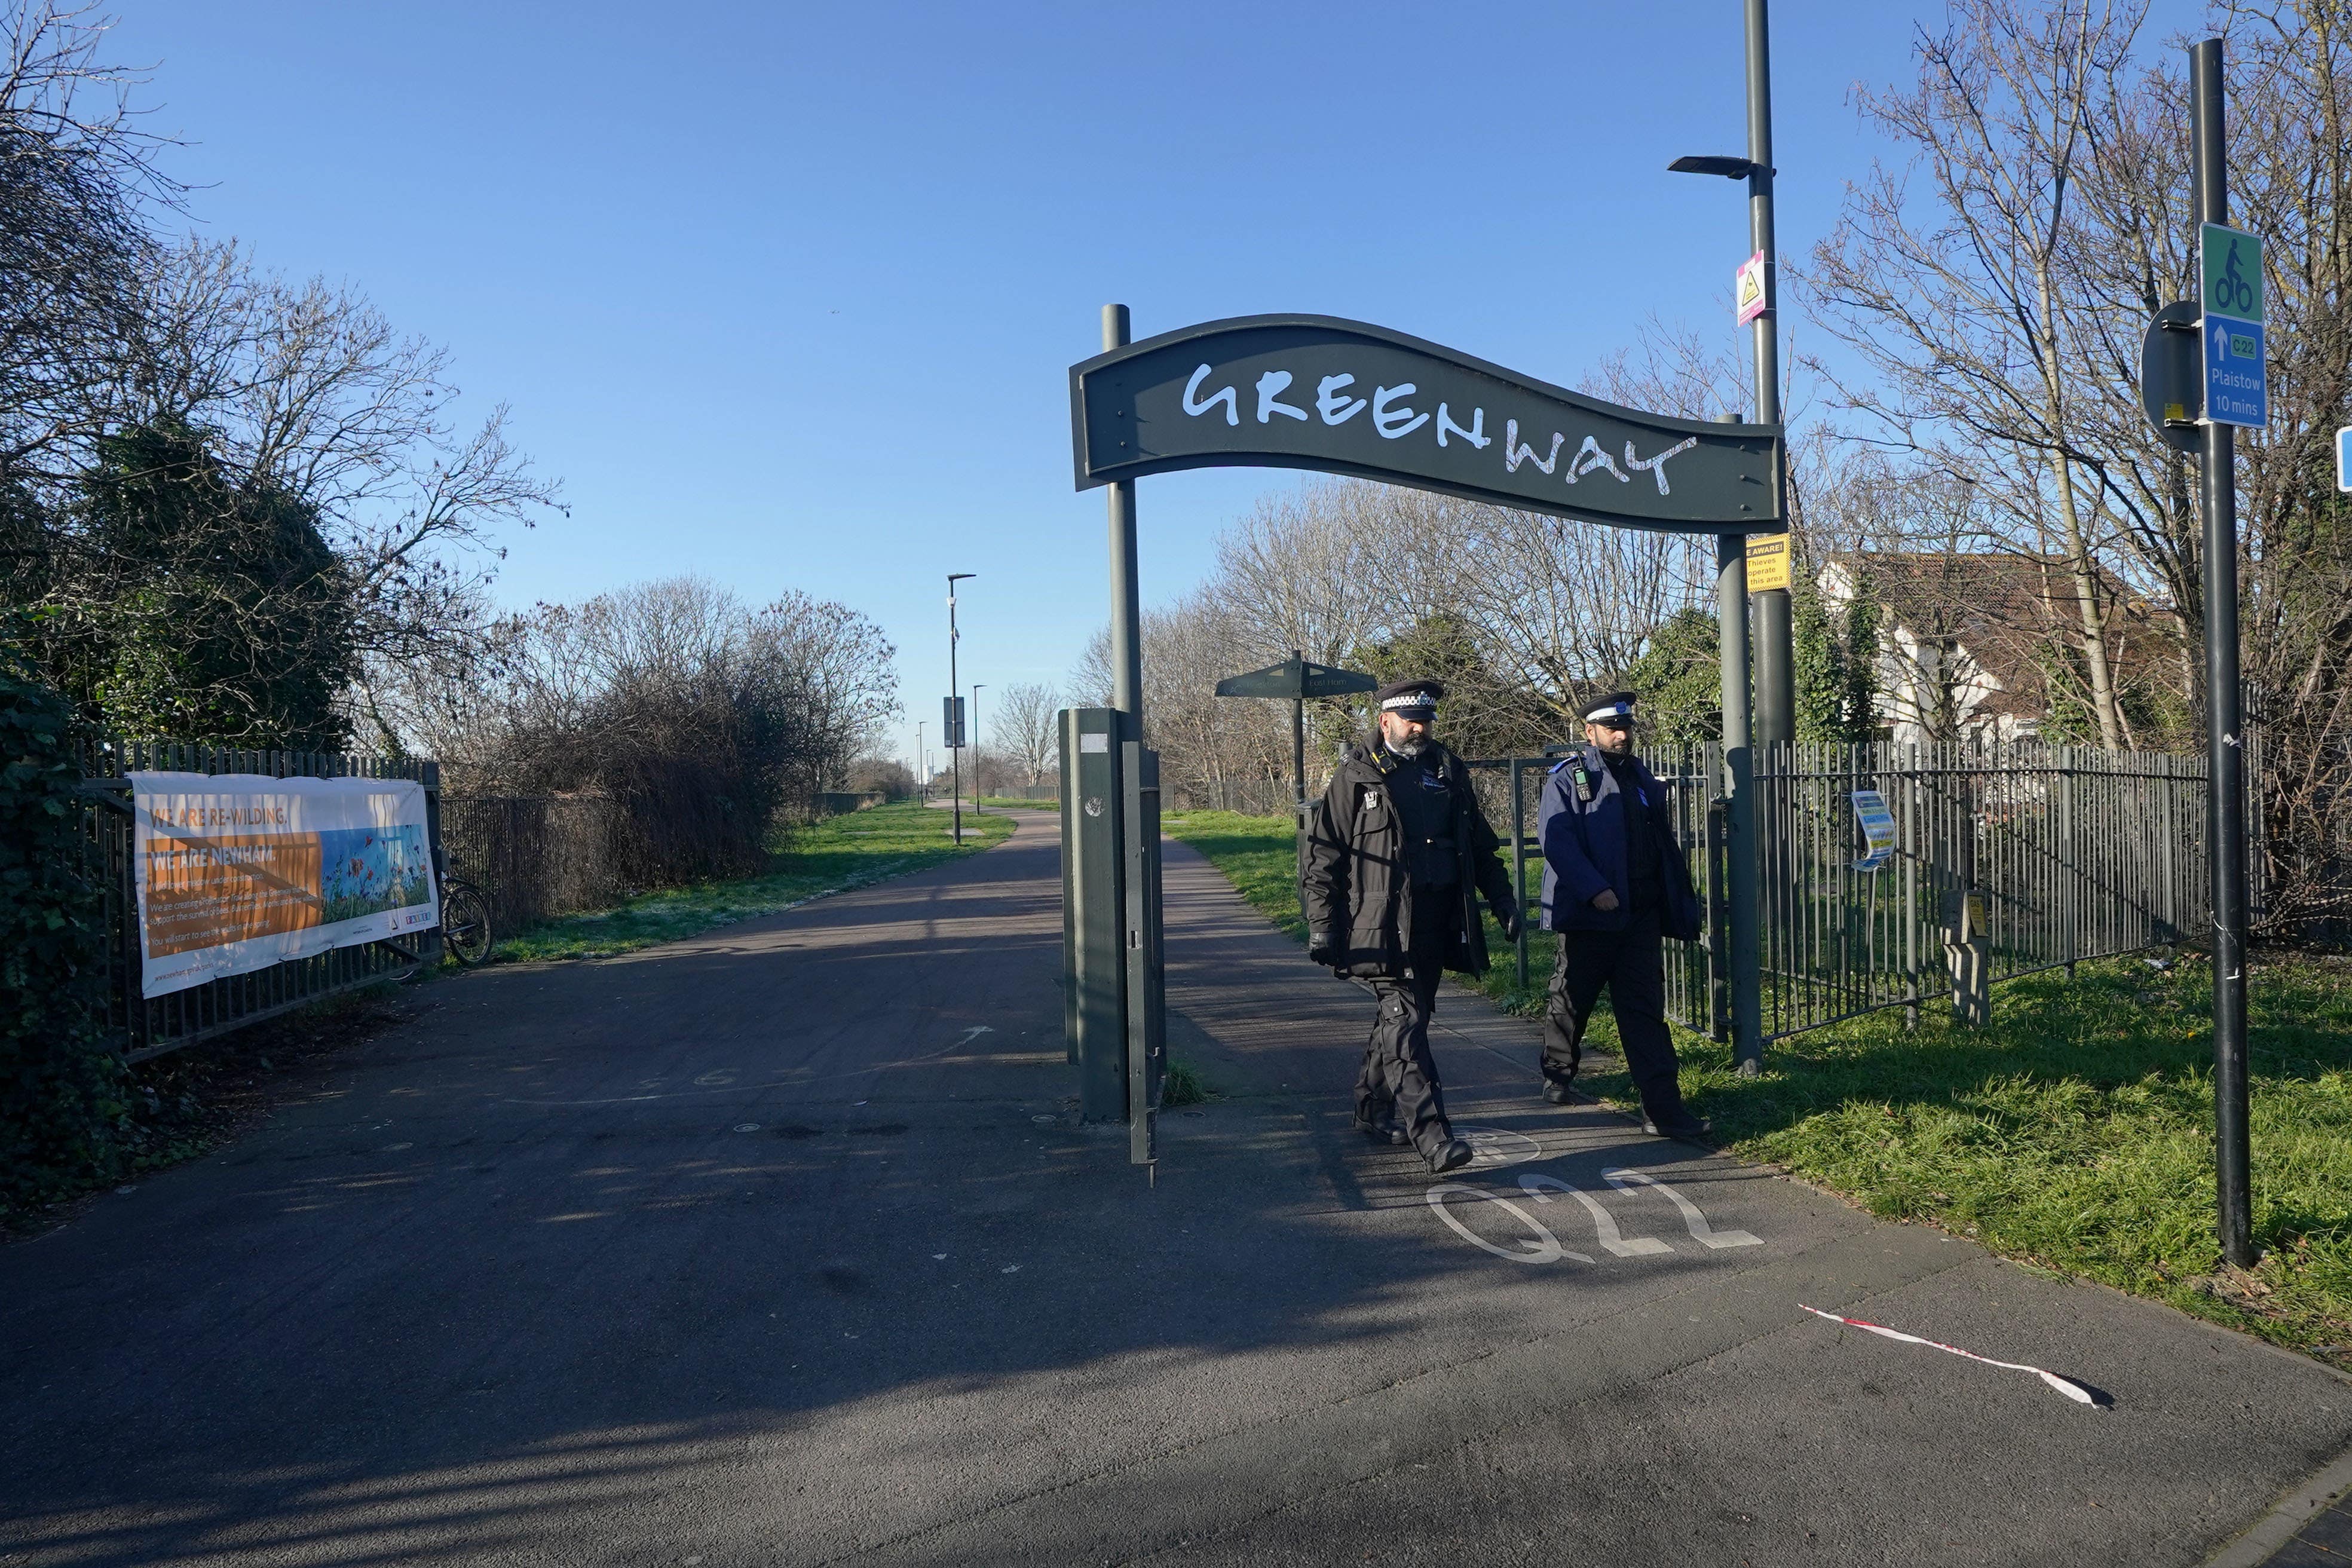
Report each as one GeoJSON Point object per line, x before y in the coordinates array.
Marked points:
{"type": "Point", "coordinates": [1321, 948]}
{"type": "Point", "coordinates": [1509, 919]}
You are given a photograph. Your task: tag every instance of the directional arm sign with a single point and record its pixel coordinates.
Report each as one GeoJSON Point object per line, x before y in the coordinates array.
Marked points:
{"type": "Point", "coordinates": [2237, 381]}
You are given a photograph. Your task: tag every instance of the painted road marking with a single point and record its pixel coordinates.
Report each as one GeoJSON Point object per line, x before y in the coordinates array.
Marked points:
{"type": "Point", "coordinates": [1542, 1245]}
{"type": "Point", "coordinates": [1548, 1249]}
{"type": "Point", "coordinates": [1604, 1224]}
{"type": "Point", "coordinates": [1493, 1146]}
{"type": "Point", "coordinates": [1695, 1222]}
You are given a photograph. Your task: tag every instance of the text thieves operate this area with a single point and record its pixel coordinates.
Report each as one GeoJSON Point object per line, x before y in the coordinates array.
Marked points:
{"type": "Point", "coordinates": [1313, 392]}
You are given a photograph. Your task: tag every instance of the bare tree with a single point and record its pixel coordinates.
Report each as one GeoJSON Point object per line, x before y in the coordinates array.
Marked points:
{"type": "Point", "coordinates": [78, 174]}
{"type": "Point", "coordinates": [2006, 311]}
{"type": "Point", "coordinates": [1023, 728]}
{"type": "Point", "coordinates": [1958, 302]}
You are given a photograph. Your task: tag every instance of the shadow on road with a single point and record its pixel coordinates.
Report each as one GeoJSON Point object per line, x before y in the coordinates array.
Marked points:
{"type": "Point", "coordinates": [782, 1245]}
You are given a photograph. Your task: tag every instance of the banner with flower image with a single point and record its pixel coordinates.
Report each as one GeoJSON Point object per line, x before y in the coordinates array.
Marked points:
{"type": "Point", "coordinates": [237, 871]}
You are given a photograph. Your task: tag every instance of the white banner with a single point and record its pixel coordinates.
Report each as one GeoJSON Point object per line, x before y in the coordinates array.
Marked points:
{"type": "Point", "coordinates": [238, 871]}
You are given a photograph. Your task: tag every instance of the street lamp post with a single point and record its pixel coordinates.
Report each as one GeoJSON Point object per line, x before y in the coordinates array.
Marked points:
{"type": "Point", "coordinates": [920, 792]}
{"type": "Point", "coordinates": [975, 746]}
{"type": "Point", "coordinates": [1771, 719]}
{"type": "Point", "coordinates": [954, 754]}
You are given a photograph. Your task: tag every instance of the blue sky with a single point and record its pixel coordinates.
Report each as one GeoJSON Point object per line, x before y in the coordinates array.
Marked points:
{"type": "Point", "coordinates": [787, 295]}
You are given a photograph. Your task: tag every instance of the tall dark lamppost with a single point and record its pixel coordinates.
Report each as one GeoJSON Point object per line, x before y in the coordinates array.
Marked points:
{"type": "Point", "coordinates": [954, 739]}
{"type": "Point", "coordinates": [1771, 719]}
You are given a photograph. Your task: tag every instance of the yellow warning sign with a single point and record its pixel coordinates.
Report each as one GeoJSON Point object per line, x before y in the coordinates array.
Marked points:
{"type": "Point", "coordinates": [1767, 562]}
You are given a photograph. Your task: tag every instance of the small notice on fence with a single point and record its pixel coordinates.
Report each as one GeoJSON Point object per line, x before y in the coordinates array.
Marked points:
{"type": "Point", "coordinates": [1877, 829]}
{"type": "Point", "coordinates": [236, 872]}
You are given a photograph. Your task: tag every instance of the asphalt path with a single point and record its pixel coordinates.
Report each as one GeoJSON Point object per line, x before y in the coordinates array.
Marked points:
{"type": "Point", "coordinates": [782, 1245]}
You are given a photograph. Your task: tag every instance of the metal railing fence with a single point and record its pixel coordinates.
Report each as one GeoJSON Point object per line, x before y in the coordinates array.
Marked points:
{"type": "Point", "coordinates": [140, 1026]}
{"type": "Point", "coordinates": [2070, 853]}
{"type": "Point", "coordinates": [2073, 854]}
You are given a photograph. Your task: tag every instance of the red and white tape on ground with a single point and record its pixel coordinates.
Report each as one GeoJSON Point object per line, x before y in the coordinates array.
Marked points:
{"type": "Point", "coordinates": [2065, 1385]}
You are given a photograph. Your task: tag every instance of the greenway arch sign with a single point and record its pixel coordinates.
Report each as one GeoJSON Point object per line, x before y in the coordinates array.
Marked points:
{"type": "Point", "coordinates": [1344, 398]}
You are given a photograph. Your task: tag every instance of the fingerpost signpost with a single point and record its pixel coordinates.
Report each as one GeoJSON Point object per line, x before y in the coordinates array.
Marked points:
{"type": "Point", "coordinates": [1296, 679]}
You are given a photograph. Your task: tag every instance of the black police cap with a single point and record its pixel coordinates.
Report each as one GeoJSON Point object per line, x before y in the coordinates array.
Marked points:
{"type": "Point", "coordinates": [1617, 708]}
{"type": "Point", "coordinates": [1413, 699]}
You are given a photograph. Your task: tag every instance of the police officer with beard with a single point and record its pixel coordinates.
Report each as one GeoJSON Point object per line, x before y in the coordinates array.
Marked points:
{"type": "Point", "coordinates": [1615, 884]}
{"type": "Point", "coordinates": [1396, 849]}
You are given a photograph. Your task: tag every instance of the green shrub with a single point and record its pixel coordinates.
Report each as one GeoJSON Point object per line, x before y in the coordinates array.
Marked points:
{"type": "Point", "coordinates": [61, 1091]}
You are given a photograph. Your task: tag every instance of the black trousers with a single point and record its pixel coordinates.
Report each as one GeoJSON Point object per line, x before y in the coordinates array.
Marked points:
{"type": "Point", "coordinates": [1399, 1073]}
{"type": "Point", "coordinates": [1632, 964]}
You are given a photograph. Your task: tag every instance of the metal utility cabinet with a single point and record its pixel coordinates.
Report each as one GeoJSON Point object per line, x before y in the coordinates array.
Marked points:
{"type": "Point", "coordinates": [1113, 967]}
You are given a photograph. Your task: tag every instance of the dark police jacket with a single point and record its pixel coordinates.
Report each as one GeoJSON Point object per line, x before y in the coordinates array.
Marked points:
{"type": "Point", "coordinates": [1581, 826]}
{"type": "Point", "coordinates": [1355, 876]}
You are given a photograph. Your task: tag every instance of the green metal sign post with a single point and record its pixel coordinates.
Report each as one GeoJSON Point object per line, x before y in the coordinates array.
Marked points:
{"type": "Point", "coordinates": [2233, 306]}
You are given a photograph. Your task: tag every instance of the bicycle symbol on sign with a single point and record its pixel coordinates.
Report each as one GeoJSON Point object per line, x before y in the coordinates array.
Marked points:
{"type": "Point", "coordinates": [2236, 294]}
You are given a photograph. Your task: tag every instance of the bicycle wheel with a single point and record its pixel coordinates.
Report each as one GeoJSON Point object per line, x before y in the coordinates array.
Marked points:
{"type": "Point", "coordinates": [464, 923]}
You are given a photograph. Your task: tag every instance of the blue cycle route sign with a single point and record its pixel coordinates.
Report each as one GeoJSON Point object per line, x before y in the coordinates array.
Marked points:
{"type": "Point", "coordinates": [2237, 383]}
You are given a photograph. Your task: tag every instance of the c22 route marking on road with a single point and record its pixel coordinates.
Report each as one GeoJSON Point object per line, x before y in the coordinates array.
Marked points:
{"type": "Point", "coordinates": [1693, 1221]}
{"type": "Point", "coordinates": [1604, 1224]}
{"type": "Point", "coordinates": [1548, 1249]}
{"type": "Point", "coordinates": [1545, 1246]}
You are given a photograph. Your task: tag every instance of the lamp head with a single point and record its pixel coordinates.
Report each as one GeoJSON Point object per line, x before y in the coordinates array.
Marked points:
{"type": "Point", "coordinates": [1713, 163]}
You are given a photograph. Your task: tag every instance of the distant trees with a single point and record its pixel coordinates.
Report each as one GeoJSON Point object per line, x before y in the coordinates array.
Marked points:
{"type": "Point", "coordinates": [1523, 616]}
{"type": "Point", "coordinates": [886, 777]}
{"type": "Point", "coordinates": [703, 718]}
{"type": "Point", "coordinates": [1022, 730]}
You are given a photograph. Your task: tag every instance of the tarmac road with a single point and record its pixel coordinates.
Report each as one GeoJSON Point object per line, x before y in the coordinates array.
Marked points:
{"type": "Point", "coordinates": [780, 1245]}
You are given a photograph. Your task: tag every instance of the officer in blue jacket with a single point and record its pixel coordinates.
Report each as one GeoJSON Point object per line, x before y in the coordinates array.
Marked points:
{"type": "Point", "coordinates": [1615, 884]}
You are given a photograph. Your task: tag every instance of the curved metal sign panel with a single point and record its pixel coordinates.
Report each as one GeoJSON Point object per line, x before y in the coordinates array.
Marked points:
{"type": "Point", "coordinates": [1342, 398]}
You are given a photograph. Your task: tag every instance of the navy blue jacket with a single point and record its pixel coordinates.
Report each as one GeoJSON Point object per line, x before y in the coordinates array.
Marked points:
{"type": "Point", "coordinates": [1582, 825]}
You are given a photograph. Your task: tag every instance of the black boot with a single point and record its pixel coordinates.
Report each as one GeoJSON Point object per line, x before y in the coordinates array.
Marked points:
{"type": "Point", "coordinates": [1679, 1124]}
{"type": "Point", "coordinates": [1450, 1155]}
{"type": "Point", "coordinates": [1384, 1130]}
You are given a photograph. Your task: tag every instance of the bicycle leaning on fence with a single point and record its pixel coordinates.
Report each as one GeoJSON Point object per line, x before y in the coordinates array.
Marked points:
{"type": "Point", "coordinates": [465, 922]}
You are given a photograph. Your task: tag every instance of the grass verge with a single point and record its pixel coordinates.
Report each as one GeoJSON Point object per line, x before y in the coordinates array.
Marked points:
{"type": "Point", "coordinates": [831, 856]}
{"type": "Point", "coordinates": [2073, 1133]}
